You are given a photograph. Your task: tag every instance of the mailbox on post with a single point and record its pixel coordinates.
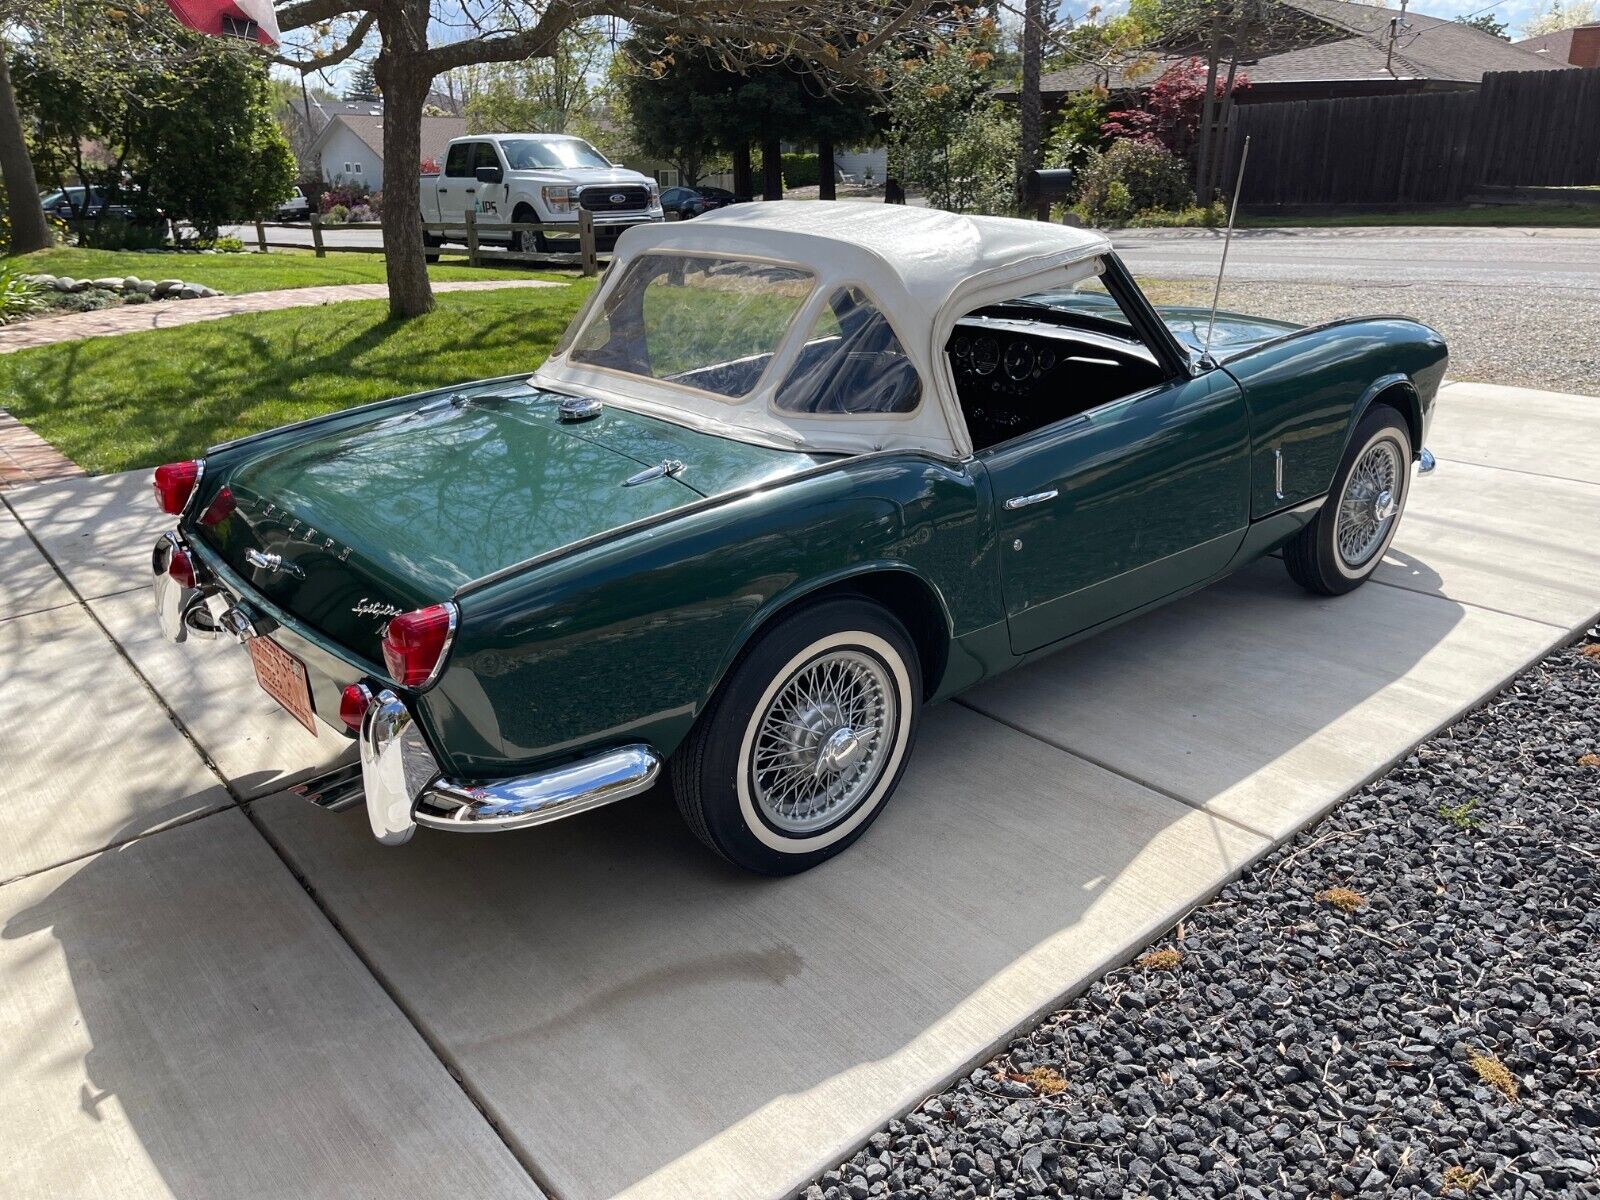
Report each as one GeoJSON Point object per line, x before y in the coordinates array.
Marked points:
{"type": "Point", "coordinates": [1043, 188]}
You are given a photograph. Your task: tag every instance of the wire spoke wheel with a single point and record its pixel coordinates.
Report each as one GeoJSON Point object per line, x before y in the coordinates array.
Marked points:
{"type": "Point", "coordinates": [823, 741]}
{"type": "Point", "coordinates": [1370, 504]}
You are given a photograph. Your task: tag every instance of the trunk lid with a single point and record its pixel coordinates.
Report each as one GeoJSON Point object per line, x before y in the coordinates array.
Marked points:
{"type": "Point", "coordinates": [397, 512]}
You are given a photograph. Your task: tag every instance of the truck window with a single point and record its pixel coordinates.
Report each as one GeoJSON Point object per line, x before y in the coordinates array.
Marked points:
{"type": "Point", "coordinates": [486, 157]}
{"type": "Point", "coordinates": [459, 160]}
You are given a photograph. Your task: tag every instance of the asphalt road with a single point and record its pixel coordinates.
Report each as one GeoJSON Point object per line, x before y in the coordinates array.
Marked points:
{"type": "Point", "coordinates": [1564, 258]}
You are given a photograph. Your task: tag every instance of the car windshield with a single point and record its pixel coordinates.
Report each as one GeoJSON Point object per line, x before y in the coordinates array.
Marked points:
{"type": "Point", "coordinates": [1087, 297]}
{"type": "Point", "coordinates": [706, 322]}
{"type": "Point", "coordinates": [527, 154]}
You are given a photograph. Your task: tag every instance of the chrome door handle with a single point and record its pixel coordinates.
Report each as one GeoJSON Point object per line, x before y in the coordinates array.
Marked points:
{"type": "Point", "coordinates": [1036, 498]}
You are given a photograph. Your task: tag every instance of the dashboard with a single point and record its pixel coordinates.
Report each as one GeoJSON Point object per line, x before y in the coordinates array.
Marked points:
{"type": "Point", "coordinates": [1013, 374]}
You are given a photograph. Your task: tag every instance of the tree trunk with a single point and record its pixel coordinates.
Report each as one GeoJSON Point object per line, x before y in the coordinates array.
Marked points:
{"type": "Point", "coordinates": [1208, 112]}
{"type": "Point", "coordinates": [404, 78]}
{"type": "Point", "coordinates": [826, 189]}
{"type": "Point", "coordinates": [771, 169]}
{"type": "Point", "coordinates": [29, 231]}
{"type": "Point", "coordinates": [1031, 142]}
{"type": "Point", "coordinates": [744, 183]}
{"type": "Point", "coordinates": [1217, 172]}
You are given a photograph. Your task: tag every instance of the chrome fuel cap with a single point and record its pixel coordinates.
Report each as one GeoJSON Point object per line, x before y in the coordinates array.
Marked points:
{"type": "Point", "coordinates": [580, 408]}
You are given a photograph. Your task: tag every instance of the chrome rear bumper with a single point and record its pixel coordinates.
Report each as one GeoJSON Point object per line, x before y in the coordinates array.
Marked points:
{"type": "Point", "coordinates": [404, 787]}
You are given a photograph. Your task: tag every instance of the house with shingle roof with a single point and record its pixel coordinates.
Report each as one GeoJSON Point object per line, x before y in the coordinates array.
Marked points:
{"type": "Point", "coordinates": [1328, 49]}
{"type": "Point", "coordinates": [350, 146]}
{"type": "Point", "coordinates": [1579, 46]}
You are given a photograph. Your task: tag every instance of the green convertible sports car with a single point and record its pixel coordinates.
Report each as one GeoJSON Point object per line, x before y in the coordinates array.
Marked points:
{"type": "Point", "coordinates": [795, 471]}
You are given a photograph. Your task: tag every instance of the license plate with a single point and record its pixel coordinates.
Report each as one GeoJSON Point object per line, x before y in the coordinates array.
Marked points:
{"type": "Point", "coordinates": [283, 677]}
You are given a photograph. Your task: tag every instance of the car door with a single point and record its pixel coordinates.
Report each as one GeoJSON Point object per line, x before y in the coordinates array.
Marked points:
{"type": "Point", "coordinates": [458, 186]}
{"type": "Point", "coordinates": [1122, 505]}
{"type": "Point", "coordinates": [491, 198]}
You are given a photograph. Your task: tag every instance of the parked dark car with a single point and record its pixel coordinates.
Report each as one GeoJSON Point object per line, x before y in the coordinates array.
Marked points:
{"type": "Point", "coordinates": [683, 203]}
{"type": "Point", "coordinates": [70, 204]}
{"type": "Point", "coordinates": [716, 197]}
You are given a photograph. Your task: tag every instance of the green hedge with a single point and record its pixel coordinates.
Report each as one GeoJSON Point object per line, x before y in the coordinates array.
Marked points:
{"type": "Point", "coordinates": [801, 170]}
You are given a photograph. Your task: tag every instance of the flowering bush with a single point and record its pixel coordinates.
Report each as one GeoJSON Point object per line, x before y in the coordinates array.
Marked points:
{"type": "Point", "coordinates": [345, 196]}
{"type": "Point", "coordinates": [337, 215]}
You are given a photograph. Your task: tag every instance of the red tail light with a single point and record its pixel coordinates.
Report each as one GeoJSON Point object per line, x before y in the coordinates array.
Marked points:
{"type": "Point", "coordinates": [181, 567]}
{"type": "Point", "coordinates": [414, 644]}
{"type": "Point", "coordinates": [222, 504]}
{"type": "Point", "coordinates": [174, 484]}
{"type": "Point", "coordinates": [353, 703]}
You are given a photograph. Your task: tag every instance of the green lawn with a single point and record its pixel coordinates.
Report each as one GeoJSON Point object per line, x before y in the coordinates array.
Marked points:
{"type": "Point", "coordinates": [112, 404]}
{"type": "Point", "coordinates": [246, 272]}
{"type": "Point", "coordinates": [1573, 216]}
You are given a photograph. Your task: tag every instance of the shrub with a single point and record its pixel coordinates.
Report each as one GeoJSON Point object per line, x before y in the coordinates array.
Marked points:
{"type": "Point", "coordinates": [114, 233]}
{"type": "Point", "coordinates": [1216, 214]}
{"type": "Point", "coordinates": [801, 170]}
{"type": "Point", "coordinates": [361, 213]}
{"type": "Point", "coordinates": [227, 245]}
{"type": "Point", "coordinates": [90, 301]}
{"type": "Point", "coordinates": [337, 215]}
{"type": "Point", "coordinates": [1129, 178]}
{"type": "Point", "coordinates": [19, 297]}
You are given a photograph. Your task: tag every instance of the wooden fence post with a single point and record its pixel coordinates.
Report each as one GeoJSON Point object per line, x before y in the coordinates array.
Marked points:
{"type": "Point", "coordinates": [261, 236]}
{"type": "Point", "coordinates": [591, 265]}
{"type": "Point", "coordinates": [316, 234]}
{"type": "Point", "coordinates": [472, 239]}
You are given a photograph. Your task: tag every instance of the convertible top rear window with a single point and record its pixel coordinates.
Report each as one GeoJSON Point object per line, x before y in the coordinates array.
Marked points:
{"type": "Point", "coordinates": [703, 321]}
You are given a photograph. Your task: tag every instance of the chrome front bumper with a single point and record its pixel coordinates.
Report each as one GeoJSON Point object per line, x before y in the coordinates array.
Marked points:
{"type": "Point", "coordinates": [404, 788]}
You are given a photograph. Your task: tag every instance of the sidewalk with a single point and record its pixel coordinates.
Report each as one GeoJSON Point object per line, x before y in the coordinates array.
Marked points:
{"type": "Point", "coordinates": [168, 314]}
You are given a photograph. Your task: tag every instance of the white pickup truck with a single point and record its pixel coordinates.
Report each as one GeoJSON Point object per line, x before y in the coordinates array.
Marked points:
{"type": "Point", "coordinates": [507, 178]}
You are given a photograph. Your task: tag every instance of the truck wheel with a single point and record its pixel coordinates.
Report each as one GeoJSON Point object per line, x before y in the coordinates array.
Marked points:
{"type": "Point", "coordinates": [524, 241]}
{"type": "Point", "coordinates": [805, 741]}
{"type": "Point", "coordinates": [1346, 540]}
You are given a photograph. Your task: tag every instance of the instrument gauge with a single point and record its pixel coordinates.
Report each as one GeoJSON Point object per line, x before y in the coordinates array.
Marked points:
{"type": "Point", "coordinates": [962, 346]}
{"type": "Point", "coordinates": [1019, 360]}
{"type": "Point", "coordinates": [985, 354]}
{"type": "Point", "coordinates": [1047, 360]}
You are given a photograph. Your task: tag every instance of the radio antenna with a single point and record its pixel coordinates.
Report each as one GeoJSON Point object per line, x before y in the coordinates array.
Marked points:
{"type": "Point", "coordinates": [1227, 239]}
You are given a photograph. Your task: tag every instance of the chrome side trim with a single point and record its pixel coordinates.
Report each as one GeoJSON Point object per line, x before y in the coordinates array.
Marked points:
{"type": "Point", "coordinates": [667, 468]}
{"type": "Point", "coordinates": [1426, 461]}
{"type": "Point", "coordinates": [1277, 472]}
{"type": "Point", "coordinates": [541, 797]}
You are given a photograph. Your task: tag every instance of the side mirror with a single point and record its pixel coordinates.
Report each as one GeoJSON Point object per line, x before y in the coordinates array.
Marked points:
{"type": "Point", "coordinates": [490, 174]}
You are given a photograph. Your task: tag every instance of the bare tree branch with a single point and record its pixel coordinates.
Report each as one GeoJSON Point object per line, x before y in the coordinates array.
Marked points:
{"type": "Point", "coordinates": [352, 43]}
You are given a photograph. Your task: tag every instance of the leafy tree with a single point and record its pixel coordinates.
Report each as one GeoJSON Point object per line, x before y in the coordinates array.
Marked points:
{"type": "Point", "coordinates": [207, 147]}
{"type": "Point", "coordinates": [685, 106]}
{"type": "Point", "coordinates": [200, 144]}
{"type": "Point", "coordinates": [1169, 111]}
{"type": "Point", "coordinates": [947, 134]}
{"type": "Point", "coordinates": [546, 95]}
{"type": "Point", "coordinates": [1562, 14]}
{"type": "Point", "coordinates": [363, 83]}
{"type": "Point", "coordinates": [1488, 23]}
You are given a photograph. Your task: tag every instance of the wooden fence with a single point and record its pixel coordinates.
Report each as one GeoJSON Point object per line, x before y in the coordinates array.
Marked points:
{"type": "Point", "coordinates": [1521, 128]}
{"type": "Point", "coordinates": [464, 236]}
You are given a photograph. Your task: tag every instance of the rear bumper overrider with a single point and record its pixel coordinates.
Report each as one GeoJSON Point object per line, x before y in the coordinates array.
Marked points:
{"type": "Point", "coordinates": [398, 779]}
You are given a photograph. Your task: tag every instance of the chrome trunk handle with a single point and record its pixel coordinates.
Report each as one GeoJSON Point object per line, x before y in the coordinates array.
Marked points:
{"type": "Point", "coordinates": [1036, 498]}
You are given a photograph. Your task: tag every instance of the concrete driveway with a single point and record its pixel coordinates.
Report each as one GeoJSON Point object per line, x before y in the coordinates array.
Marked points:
{"type": "Point", "coordinates": [212, 989]}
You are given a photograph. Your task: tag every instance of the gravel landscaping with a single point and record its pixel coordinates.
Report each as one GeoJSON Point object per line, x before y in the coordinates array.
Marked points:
{"type": "Point", "coordinates": [1546, 338]}
{"type": "Point", "coordinates": [1402, 1001]}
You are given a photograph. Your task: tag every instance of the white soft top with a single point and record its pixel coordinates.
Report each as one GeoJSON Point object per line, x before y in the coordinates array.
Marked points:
{"type": "Point", "coordinates": [924, 267]}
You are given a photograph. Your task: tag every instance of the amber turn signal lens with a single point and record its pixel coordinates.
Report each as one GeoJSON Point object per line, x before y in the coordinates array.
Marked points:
{"type": "Point", "coordinates": [414, 643]}
{"type": "Point", "coordinates": [174, 483]}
